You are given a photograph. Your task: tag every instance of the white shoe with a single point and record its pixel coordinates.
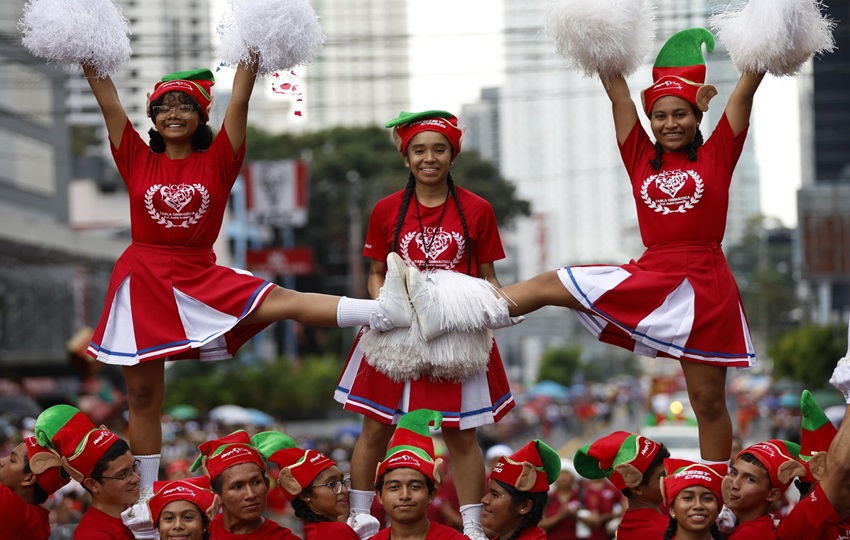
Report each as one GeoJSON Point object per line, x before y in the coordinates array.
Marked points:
{"type": "Point", "coordinates": [428, 316]}
{"type": "Point", "coordinates": [393, 298]}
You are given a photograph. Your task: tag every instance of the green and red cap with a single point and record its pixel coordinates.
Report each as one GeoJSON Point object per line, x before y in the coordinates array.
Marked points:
{"type": "Point", "coordinates": [46, 463]}
{"type": "Point", "coordinates": [411, 445]}
{"type": "Point", "coordinates": [74, 437]}
{"type": "Point", "coordinates": [817, 432]}
{"type": "Point", "coordinates": [195, 490]}
{"type": "Point", "coordinates": [780, 458]}
{"type": "Point", "coordinates": [196, 83]}
{"type": "Point", "coordinates": [218, 455]}
{"type": "Point", "coordinates": [532, 468]}
{"type": "Point", "coordinates": [408, 124]}
{"type": "Point", "coordinates": [298, 467]}
{"type": "Point", "coordinates": [679, 70]}
{"type": "Point", "coordinates": [682, 474]}
{"type": "Point", "coordinates": [621, 457]}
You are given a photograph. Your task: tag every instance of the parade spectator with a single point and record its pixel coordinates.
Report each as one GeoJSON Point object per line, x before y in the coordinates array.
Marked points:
{"type": "Point", "coordinates": [559, 518]}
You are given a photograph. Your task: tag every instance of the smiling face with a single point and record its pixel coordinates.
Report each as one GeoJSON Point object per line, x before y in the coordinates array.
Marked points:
{"type": "Point", "coordinates": [119, 482]}
{"type": "Point", "coordinates": [181, 520]}
{"type": "Point", "coordinates": [673, 123]}
{"type": "Point", "coordinates": [499, 513]}
{"type": "Point", "coordinates": [322, 500]}
{"type": "Point", "coordinates": [429, 157]}
{"type": "Point", "coordinates": [695, 509]}
{"type": "Point", "coordinates": [243, 493]}
{"type": "Point", "coordinates": [405, 495]}
{"type": "Point", "coordinates": [176, 124]}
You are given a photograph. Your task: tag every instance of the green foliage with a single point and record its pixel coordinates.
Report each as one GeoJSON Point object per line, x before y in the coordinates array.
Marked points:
{"type": "Point", "coordinates": [83, 138]}
{"type": "Point", "coordinates": [280, 388]}
{"type": "Point", "coordinates": [809, 354]}
{"type": "Point", "coordinates": [560, 365]}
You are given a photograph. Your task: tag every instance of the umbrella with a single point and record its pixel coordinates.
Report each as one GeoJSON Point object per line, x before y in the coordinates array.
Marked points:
{"type": "Point", "coordinates": [230, 414]}
{"type": "Point", "coordinates": [260, 418]}
{"type": "Point", "coordinates": [550, 389]}
{"type": "Point", "coordinates": [182, 411]}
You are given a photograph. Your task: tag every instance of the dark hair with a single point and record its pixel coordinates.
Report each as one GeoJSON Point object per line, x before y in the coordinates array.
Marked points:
{"type": "Point", "coordinates": [657, 461]}
{"type": "Point", "coordinates": [405, 203]}
{"type": "Point", "coordinates": [205, 521]}
{"type": "Point", "coordinates": [671, 530]}
{"type": "Point", "coordinates": [303, 511]}
{"type": "Point", "coordinates": [538, 505]}
{"type": "Point", "coordinates": [201, 139]}
{"type": "Point", "coordinates": [803, 487]}
{"type": "Point", "coordinates": [118, 449]}
{"type": "Point", "coordinates": [750, 458]}
{"type": "Point", "coordinates": [38, 491]}
{"type": "Point", "coordinates": [379, 483]}
{"type": "Point", "coordinates": [219, 480]}
{"type": "Point", "coordinates": [691, 149]}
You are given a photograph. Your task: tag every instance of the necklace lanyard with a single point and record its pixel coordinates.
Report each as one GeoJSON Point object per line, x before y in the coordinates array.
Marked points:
{"type": "Point", "coordinates": [427, 245]}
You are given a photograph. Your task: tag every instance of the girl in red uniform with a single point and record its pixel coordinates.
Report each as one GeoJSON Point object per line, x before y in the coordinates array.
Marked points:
{"type": "Point", "coordinates": [431, 224]}
{"type": "Point", "coordinates": [692, 493]}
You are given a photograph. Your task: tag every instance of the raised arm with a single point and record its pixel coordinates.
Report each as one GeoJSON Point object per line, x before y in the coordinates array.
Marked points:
{"type": "Point", "coordinates": [625, 112]}
{"type": "Point", "coordinates": [107, 98]}
{"type": "Point", "coordinates": [740, 103]}
{"type": "Point", "coordinates": [835, 481]}
{"type": "Point", "coordinates": [236, 116]}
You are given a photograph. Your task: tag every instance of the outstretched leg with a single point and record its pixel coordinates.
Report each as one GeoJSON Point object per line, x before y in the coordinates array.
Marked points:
{"type": "Point", "coordinates": [707, 392]}
{"type": "Point", "coordinates": [542, 290]}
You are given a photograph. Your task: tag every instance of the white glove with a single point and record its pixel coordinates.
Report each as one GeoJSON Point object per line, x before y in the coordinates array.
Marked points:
{"type": "Point", "coordinates": [841, 378]}
{"type": "Point", "coordinates": [501, 318]}
{"type": "Point", "coordinates": [365, 525]}
{"type": "Point", "coordinates": [726, 521]}
{"type": "Point", "coordinates": [380, 323]}
{"type": "Point", "coordinates": [137, 518]}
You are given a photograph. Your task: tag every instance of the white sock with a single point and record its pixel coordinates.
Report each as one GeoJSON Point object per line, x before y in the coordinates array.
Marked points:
{"type": "Point", "coordinates": [709, 462]}
{"type": "Point", "coordinates": [355, 312]}
{"type": "Point", "coordinates": [360, 501]}
{"type": "Point", "coordinates": [148, 470]}
{"type": "Point", "coordinates": [471, 516]}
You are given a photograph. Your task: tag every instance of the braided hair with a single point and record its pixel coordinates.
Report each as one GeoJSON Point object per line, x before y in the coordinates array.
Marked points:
{"type": "Point", "coordinates": [538, 505]}
{"type": "Point", "coordinates": [714, 532]}
{"type": "Point", "coordinates": [405, 204]}
{"type": "Point", "coordinates": [691, 149]}
{"type": "Point", "coordinates": [302, 511]}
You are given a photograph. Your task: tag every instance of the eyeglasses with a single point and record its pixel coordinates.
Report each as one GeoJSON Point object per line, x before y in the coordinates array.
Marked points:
{"type": "Point", "coordinates": [126, 473]}
{"type": "Point", "coordinates": [337, 485]}
{"type": "Point", "coordinates": [183, 110]}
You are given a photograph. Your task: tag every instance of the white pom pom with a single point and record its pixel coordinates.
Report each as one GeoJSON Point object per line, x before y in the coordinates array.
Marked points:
{"type": "Point", "coordinates": [75, 32]}
{"type": "Point", "coordinates": [605, 37]}
{"type": "Point", "coordinates": [774, 36]}
{"type": "Point", "coordinates": [283, 33]}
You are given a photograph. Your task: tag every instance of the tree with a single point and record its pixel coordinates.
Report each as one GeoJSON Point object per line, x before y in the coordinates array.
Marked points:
{"type": "Point", "coordinates": [809, 354]}
{"type": "Point", "coordinates": [560, 365]}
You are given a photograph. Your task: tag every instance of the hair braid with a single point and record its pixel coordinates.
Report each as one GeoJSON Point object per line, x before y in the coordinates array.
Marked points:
{"type": "Point", "coordinates": [659, 151]}
{"type": "Point", "coordinates": [671, 529]}
{"type": "Point", "coordinates": [451, 183]}
{"type": "Point", "coordinates": [715, 532]}
{"type": "Point", "coordinates": [695, 144]}
{"type": "Point", "coordinates": [402, 211]}
{"type": "Point", "coordinates": [535, 514]}
{"type": "Point", "coordinates": [304, 512]}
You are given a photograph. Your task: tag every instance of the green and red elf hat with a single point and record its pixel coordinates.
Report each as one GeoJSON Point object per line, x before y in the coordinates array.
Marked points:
{"type": "Point", "coordinates": [74, 437]}
{"type": "Point", "coordinates": [621, 457]}
{"type": "Point", "coordinates": [408, 124]}
{"type": "Point", "coordinates": [46, 463]}
{"type": "Point", "coordinates": [817, 435]}
{"type": "Point", "coordinates": [780, 458]}
{"type": "Point", "coordinates": [298, 467]}
{"type": "Point", "coordinates": [682, 474]}
{"type": "Point", "coordinates": [195, 490]}
{"type": "Point", "coordinates": [679, 70]}
{"type": "Point", "coordinates": [532, 468]}
{"type": "Point", "coordinates": [411, 445]}
{"type": "Point", "coordinates": [218, 455]}
{"type": "Point", "coordinates": [196, 83]}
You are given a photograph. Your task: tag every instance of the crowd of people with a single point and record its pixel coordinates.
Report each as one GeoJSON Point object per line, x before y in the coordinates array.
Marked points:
{"type": "Point", "coordinates": [425, 358]}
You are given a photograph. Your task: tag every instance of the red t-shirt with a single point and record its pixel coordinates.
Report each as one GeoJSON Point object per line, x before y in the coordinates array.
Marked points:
{"type": "Point", "coordinates": [601, 499]}
{"type": "Point", "coordinates": [642, 523]}
{"type": "Point", "coordinates": [329, 529]}
{"type": "Point", "coordinates": [565, 529]}
{"type": "Point", "coordinates": [177, 202]}
{"type": "Point", "coordinates": [20, 520]}
{"type": "Point", "coordinates": [760, 528]}
{"type": "Point", "coordinates": [436, 532]}
{"type": "Point", "coordinates": [97, 525]}
{"type": "Point", "coordinates": [685, 201]}
{"type": "Point", "coordinates": [532, 533]}
{"type": "Point", "coordinates": [269, 530]}
{"type": "Point", "coordinates": [813, 518]}
{"type": "Point", "coordinates": [443, 231]}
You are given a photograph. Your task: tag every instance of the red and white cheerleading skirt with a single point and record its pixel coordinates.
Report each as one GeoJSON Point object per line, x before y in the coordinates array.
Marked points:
{"type": "Point", "coordinates": [481, 399]}
{"type": "Point", "coordinates": [678, 301]}
{"type": "Point", "coordinates": [175, 303]}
